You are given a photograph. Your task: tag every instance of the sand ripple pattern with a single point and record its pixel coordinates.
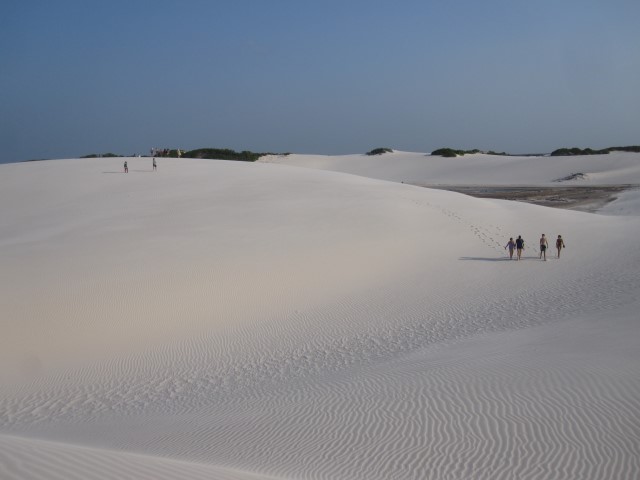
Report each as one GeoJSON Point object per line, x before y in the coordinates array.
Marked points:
{"type": "Point", "coordinates": [37, 460]}
{"type": "Point", "coordinates": [454, 365]}
{"type": "Point", "coordinates": [407, 400]}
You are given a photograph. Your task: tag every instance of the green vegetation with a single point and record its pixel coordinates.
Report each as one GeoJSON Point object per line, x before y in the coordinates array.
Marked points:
{"type": "Point", "coordinates": [101, 155]}
{"type": "Point", "coordinates": [588, 151]}
{"type": "Point", "coordinates": [247, 156]}
{"type": "Point", "coordinates": [450, 152]}
{"type": "Point", "coordinates": [222, 154]}
{"type": "Point", "coordinates": [379, 151]}
{"type": "Point", "coordinates": [209, 153]}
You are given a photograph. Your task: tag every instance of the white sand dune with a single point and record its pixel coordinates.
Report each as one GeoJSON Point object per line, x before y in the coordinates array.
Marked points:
{"type": "Point", "coordinates": [247, 321]}
{"type": "Point", "coordinates": [477, 169]}
{"type": "Point", "coordinates": [35, 459]}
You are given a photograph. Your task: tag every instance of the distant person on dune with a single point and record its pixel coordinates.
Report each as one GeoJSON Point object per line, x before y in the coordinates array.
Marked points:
{"type": "Point", "coordinates": [560, 244]}
{"type": "Point", "coordinates": [519, 246]}
{"type": "Point", "coordinates": [126, 167]}
{"type": "Point", "coordinates": [543, 247]}
{"type": "Point", "coordinates": [512, 245]}
{"type": "Point", "coordinates": [155, 167]}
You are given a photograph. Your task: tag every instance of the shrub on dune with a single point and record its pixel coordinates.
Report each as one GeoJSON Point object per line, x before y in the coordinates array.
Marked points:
{"type": "Point", "coordinates": [379, 151]}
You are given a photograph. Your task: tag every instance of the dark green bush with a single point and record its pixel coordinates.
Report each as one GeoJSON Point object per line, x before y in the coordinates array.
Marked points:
{"type": "Point", "coordinates": [447, 152]}
{"type": "Point", "coordinates": [588, 151]}
{"type": "Point", "coordinates": [632, 148]}
{"type": "Point", "coordinates": [99, 155]}
{"type": "Point", "coordinates": [225, 154]}
{"type": "Point", "coordinates": [379, 151]}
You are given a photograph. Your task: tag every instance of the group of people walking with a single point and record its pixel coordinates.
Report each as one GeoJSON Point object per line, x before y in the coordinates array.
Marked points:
{"type": "Point", "coordinates": [517, 246]}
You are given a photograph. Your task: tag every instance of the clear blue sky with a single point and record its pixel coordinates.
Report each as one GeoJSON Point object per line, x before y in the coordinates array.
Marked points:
{"type": "Point", "coordinates": [327, 77]}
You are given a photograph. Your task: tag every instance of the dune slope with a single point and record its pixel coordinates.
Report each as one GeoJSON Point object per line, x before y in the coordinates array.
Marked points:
{"type": "Point", "coordinates": [232, 320]}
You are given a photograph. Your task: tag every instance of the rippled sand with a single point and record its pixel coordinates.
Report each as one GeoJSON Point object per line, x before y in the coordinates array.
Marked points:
{"type": "Point", "coordinates": [257, 321]}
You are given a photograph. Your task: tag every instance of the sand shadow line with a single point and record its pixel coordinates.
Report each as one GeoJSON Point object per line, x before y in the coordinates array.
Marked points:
{"type": "Point", "coordinates": [486, 259]}
{"type": "Point", "coordinates": [134, 171]}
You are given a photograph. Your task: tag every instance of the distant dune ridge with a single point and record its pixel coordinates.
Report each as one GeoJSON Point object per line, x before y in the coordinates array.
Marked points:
{"type": "Point", "coordinates": [258, 320]}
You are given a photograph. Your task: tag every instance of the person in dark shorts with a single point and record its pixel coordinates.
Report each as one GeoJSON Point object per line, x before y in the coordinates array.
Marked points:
{"type": "Point", "coordinates": [519, 246]}
{"type": "Point", "coordinates": [155, 167]}
{"type": "Point", "coordinates": [126, 167]}
{"type": "Point", "coordinates": [543, 247]}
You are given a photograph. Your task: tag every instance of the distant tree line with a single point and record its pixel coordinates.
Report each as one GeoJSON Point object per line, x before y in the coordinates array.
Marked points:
{"type": "Point", "coordinates": [588, 151]}
{"type": "Point", "coordinates": [443, 152]}
{"type": "Point", "coordinates": [208, 153]}
{"type": "Point", "coordinates": [452, 152]}
{"type": "Point", "coordinates": [101, 155]}
{"type": "Point", "coordinates": [248, 156]}
{"type": "Point", "coordinates": [226, 154]}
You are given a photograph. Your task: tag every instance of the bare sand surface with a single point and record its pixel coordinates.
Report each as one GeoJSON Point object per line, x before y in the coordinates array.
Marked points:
{"type": "Point", "coordinates": [245, 321]}
{"type": "Point", "coordinates": [606, 184]}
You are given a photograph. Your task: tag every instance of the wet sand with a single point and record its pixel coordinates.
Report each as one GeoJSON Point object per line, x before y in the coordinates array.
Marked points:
{"type": "Point", "coordinates": [583, 198]}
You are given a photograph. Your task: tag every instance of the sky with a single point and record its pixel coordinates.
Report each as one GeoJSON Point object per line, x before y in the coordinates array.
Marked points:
{"type": "Point", "coordinates": [330, 77]}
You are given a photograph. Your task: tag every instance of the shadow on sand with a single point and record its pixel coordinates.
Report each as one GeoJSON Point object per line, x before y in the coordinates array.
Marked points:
{"type": "Point", "coordinates": [503, 259]}
{"type": "Point", "coordinates": [134, 171]}
{"type": "Point", "coordinates": [487, 259]}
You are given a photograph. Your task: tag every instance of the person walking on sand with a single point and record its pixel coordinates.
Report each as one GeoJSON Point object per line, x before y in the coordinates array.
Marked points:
{"type": "Point", "coordinates": [543, 247]}
{"type": "Point", "coordinates": [126, 168]}
{"type": "Point", "coordinates": [512, 245]}
{"type": "Point", "coordinates": [519, 246]}
{"type": "Point", "coordinates": [560, 244]}
{"type": "Point", "coordinates": [155, 167]}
